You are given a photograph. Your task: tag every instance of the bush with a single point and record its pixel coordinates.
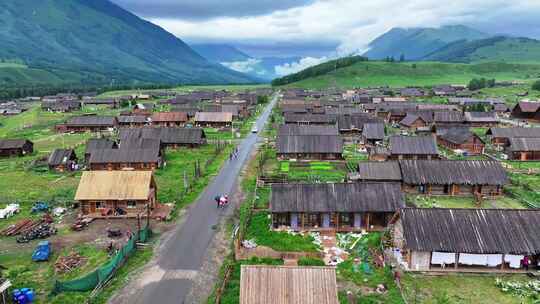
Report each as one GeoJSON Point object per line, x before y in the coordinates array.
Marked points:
{"type": "Point", "coordinates": [536, 85]}
{"type": "Point", "coordinates": [307, 261]}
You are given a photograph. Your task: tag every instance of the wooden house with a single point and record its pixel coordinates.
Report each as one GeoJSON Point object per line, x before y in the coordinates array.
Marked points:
{"type": "Point", "coordinates": [62, 106]}
{"type": "Point", "coordinates": [378, 153]}
{"type": "Point", "coordinates": [62, 160]}
{"type": "Point", "coordinates": [372, 133]}
{"type": "Point", "coordinates": [311, 147]}
{"type": "Point", "coordinates": [501, 136]}
{"type": "Point", "coordinates": [264, 284]}
{"type": "Point", "coordinates": [169, 137]}
{"type": "Point", "coordinates": [90, 123]}
{"type": "Point", "coordinates": [143, 109]}
{"type": "Point", "coordinates": [116, 193]}
{"type": "Point", "coordinates": [446, 118]}
{"type": "Point", "coordinates": [353, 124]}
{"type": "Point", "coordinates": [339, 207]}
{"type": "Point", "coordinates": [132, 121]}
{"type": "Point", "coordinates": [461, 139]}
{"type": "Point", "coordinates": [527, 111]}
{"type": "Point", "coordinates": [15, 147]}
{"type": "Point", "coordinates": [95, 144]}
{"type": "Point", "coordinates": [453, 177]}
{"type": "Point", "coordinates": [413, 147]}
{"type": "Point", "coordinates": [413, 121]}
{"type": "Point", "coordinates": [125, 159]}
{"type": "Point", "coordinates": [169, 119]}
{"type": "Point", "coordinates": [466, 240]}
{"type": "Point", "coordinates": [110, 102]}
{"type": "Point", "coordinates": [524, 149]}
{"type": "Point", "coordinates": [481, 119]}
{"type": "Point", "coordinates": [213, 119]}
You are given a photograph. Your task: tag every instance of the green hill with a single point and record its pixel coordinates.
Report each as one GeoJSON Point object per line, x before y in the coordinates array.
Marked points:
{"type": "Point", "coordinates": [501, 49]}
{"type": "Point", "coordinates": [376, 73]}
{"type": "Point", "coordinates": [416, 43]}
{"type": "Point", "coordinates": [93, 42]}
{"type": "Point", "coordinates": [220, 52]}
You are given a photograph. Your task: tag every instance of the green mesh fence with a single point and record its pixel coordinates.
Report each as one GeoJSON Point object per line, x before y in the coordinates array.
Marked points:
{"type": "Point", "coordinates": [103, 273]}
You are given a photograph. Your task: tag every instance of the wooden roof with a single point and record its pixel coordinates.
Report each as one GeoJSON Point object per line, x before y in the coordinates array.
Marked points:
{"type": "Point", "coordinates": [99, 143]}
{"type": "Point", "coordinates": [114, 185]}
{"type": "Point", "coordinates": [379, 171]}
{"type": "Point", "coordinates": [447, 172]}
{"type": "Point", "coordinates": [373, 131]}
{"type": "Point", "coordinates": [213, 117]}
{"type": "Point", "coordinates": [310, 118]}
{"type": "Point", "coordinates": [13, 143]}
{"type": "Point", "coordinates": [131, 155]}
{"type": "Point", "coordinates": [166, 135]}
{"type": "Point", "coordinates": [104, 121]}
{"type": "Point", "coordinates": [262, 284]}
{"type": "Point", "coordinates": [524, 144]}
{"type": "Point", "coordinates": [413, 145]}
{"type": "Point", "coordinates": [458, 135]}
{"type": "Point", "coordinates": [356, 121]}
{"type": "Point", "coordinates": [337, 197]}
{"type": "Point", "coordinates": [307, 130]}
{"type": "Point", "coordinates": [169, 117]}
{"type": "Point", "coordinates": [513, 132]}
{"type": "Point", "coordinates": [309, 144]}
{"type": "Point", "coordinates": [481, 231]}
{"type": "Point", "coordinates": [61, 156]}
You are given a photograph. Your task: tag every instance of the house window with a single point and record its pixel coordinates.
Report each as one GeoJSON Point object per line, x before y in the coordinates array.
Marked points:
{"type": "Point", "coordinates": [345, 219]}
{"type": "Point", "coordinates": [99, 205]}
{"type": "Point", "coordinates": [131, 204]}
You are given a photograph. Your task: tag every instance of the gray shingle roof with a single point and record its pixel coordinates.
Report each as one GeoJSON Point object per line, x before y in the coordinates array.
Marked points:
{"type": "Point", "coordinates": [342, 197]}
{"type": "Point", "coordinates": [413, 145]}
{"type": "Point", "coordinates": [307, 130]}
{"type": "Point", "coordinates": [124, 156]}
{"type": "Point", "coordinates": [524, 144]}
{"type": "Point", "coordinates": [481, 231]}
{"type": "Point", "coordinates": [373, 131]}
{"type": "Point", "coordinates": [375, 171]}
{"type": "Point", "coordinates": [514, 132]}
{"type": "Point", "coordinates": [446, 172]}
{"type": "Point", "coordinates": [104, 121]}
{"type": "Point", "coordinates": [309, 144]}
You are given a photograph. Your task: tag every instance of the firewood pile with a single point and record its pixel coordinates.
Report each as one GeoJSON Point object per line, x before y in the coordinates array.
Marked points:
{"type": "Point", "coordinates": [25, 226]}
{"type": "Point", "coordinates": [69, 262]}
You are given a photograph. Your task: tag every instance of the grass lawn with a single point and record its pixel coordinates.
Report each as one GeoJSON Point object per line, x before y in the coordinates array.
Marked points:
{"type": "Point", "coordinates": [263, 197]}
{"type": "Point", "coordinates": [523, 164]}
{"type": "Point", "coordinates": [458, 288]}
{"type": "Point", "coordinates": [462, 202]}
{"type": "Point", "coordinates": [320, 171]}
{"type": "Point", "coordinates": [259, 230]}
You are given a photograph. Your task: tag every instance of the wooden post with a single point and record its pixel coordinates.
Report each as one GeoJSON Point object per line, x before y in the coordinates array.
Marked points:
{"type": "Point", "coordinates": [457, 261]}
{"type": "Point", "coordinates": [367, 221]}
{"type": "Point", "coordinates": [337, 220]}
{"type": "Point", "coordinates": [502, 264]}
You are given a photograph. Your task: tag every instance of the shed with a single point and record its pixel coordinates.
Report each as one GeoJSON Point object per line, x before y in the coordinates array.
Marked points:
{"type": "Point", "coordinates": [524, 149]}
{"type": "Point", "coordinates": [16, 147]}
{"type": "Point", "coordinates": [262, 284]}
{"type": "Point", "coordinates": [62, 160]}
{"type": "Point", "coordinates": [461, 139]}
{"type": "Point", "coordinates": [527, 111]}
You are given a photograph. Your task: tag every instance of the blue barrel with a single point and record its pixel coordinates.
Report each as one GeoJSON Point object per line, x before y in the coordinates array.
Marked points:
{"type": "Point", "coordinates": [30, 295]}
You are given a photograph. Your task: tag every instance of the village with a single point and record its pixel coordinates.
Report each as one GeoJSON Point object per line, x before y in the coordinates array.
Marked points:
{"type": "Point", "coordinates": [367, 195]}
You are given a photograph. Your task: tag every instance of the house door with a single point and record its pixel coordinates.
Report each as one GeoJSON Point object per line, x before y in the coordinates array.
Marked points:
{"type": "Point", "coordinates": [294, 220]}
{"type": "Point", "coordinates": [357, 220]}
{"type": "Point", "coordinates": [326, 220]}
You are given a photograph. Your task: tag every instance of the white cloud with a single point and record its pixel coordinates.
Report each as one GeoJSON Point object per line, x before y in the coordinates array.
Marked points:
{"type": "Point", "coordinates": [293, 67]}
{"type": "Point", "coordinates": [352, 24]}
{"type": "Point", "coordinates": [246, 66]}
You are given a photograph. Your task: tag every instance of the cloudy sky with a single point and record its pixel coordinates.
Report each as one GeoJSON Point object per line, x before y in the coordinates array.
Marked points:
{"type": "Point", "coordinates": [326, 28]}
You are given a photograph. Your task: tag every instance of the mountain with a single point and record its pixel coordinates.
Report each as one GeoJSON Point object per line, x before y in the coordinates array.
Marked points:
{"type": "Point", "coordinates": [354, 72]}
{"type": "Point", "coordinates": [220, 52]}
{"type": "Point", "coordinates": [502, 49]}
{"type": "Point", "coordinates": [94, 42]}
{"type": "Point", "coordinates": [416, 43]}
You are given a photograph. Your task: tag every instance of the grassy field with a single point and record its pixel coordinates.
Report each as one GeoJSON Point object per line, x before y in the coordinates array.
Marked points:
{"type": "Point", "coordinates": [458, 289]}
{"type": "Point", "coordinates": [364, 74]}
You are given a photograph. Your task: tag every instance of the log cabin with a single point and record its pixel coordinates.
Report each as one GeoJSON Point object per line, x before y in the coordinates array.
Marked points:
{"type": "Point", "coordinates": [116, 194]}
{"type": "Point", "coordinates": [461, 139]}
{"type": "Point", "coordinates": [214, 119]}
{"type": "Point", "coordinates": [466, 240]}
{"type": "Point", "coordinates": [62, 160]}
{"type": "Point", "coordinates": [413, 147]}
{"type": "Point", "coordinates": [340, 207]}
{"type": "Point", "coordinates": [524, 149]}
{"type": "Point", "coordinates": [169, 119]}
{"type": "Point", "coordinates": [453, 177]}
{"type": "Point", "coordinates": [527, 111]}
{"type": "Point", "coordinates": [312, 147]}
{"type": "Point", "coordinates": [15, 147]}
{"type": "Point", "coordinates": [132, 121]}
{"type": "Point", "coordinates": [89, 123]}
{"type": "Point", "coordinates": [501, 136]}
{"type": "Point", "coordinates": [125, 159]}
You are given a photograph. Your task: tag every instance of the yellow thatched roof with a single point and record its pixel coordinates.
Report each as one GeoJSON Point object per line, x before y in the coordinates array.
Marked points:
{"type": "Point", "coordinates": [114, 185]}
